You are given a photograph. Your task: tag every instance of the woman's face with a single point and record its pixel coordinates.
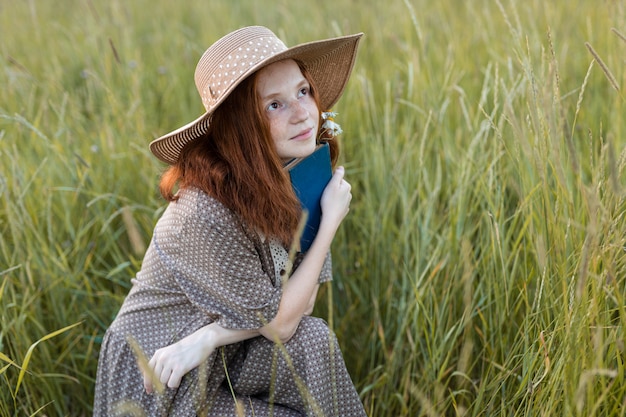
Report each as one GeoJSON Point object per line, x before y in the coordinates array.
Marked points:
{"type": "Point", "coordinates": [289, 107]}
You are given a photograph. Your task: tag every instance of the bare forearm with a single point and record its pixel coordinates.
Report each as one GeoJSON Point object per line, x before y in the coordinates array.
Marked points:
{"type": "Point", "coordinates": [300, 290]}
{"type": "Point", "coordinates": [311, 306]}
{"type": "Point", "coordinates": [221, 336]}
{"type": "Point", "coordinates": [170, 363]}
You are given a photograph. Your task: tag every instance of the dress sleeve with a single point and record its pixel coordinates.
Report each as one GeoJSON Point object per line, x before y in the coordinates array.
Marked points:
{"type": "Point", "coordinates": [217, 265]}
{"type": "Point", "coordinates": [280, 258]}
{"type": "Point", "coordinates": [326, 274]}
{"type": "Point", "coordinates": [327, 270]}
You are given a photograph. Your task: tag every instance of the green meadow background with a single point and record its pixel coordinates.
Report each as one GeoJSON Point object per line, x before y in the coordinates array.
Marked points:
{"type": "Point", "coordinates": [482, 268]}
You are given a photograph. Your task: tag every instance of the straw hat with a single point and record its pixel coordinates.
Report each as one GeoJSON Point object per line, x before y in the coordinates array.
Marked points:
{"type": "Point", "coordinates": [239, 54]}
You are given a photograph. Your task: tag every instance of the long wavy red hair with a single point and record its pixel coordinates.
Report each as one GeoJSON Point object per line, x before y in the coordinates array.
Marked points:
{"type": "Point", "coordinates": [236, 162]}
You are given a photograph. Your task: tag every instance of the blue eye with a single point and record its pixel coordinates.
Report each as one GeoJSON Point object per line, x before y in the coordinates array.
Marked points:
{"type": "Point", "coordinates": [273, 106]}
{"type": "Point", "coordinates": [303, 91]}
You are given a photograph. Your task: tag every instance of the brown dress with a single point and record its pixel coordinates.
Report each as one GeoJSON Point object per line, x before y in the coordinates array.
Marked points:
{"type": "Point", "coordinates": [201, 267]}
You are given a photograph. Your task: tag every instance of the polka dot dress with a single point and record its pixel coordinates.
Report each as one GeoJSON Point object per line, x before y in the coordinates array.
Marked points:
{"type": "Point", "coordinates": [203, 266]}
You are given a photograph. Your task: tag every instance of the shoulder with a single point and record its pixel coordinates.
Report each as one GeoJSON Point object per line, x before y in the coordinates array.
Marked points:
{"type": "Point", "coordinates": [197, 216]}
{"type": "Point", "coordinates": [198, 211]}
{"type": "Point", "coordinates": [190, 200]}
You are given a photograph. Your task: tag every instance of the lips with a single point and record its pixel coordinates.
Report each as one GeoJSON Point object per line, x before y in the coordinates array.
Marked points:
{"type": "Point", "coordinates": [304, 134]}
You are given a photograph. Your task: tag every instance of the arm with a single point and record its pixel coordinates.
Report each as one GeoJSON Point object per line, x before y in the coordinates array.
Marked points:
{"type": "Point", "coordinates": [311, 306]}
{"type": "Point", "coordinates": [171, 363]}
{"type": "Point", "coordinates": [301, 287]}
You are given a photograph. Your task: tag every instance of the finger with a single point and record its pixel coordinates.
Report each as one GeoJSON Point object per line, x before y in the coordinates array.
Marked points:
{"type": "Point", "coordinates": [148, 373]}
{"type": "Point", "coordinates": [175, 379]}
{"type": "Point", "coordinates": [147, 378]}
{"type": "Point", "coordinates": [157, 370]}
{"type": "Point", "coordinates": [338, 175]}
{"type": "Point", "coordinates": [165, 375]}
{"type": "Point", "coordinates": [147, 383]}
{"type": "Point", "coordinates": [154, 360]}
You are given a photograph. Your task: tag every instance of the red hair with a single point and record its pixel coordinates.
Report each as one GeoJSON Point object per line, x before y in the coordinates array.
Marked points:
{"type": "Point", "coordinates": [236, 162]}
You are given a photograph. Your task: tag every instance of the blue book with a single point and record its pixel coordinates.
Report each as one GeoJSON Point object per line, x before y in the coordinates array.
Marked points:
{"type": "Point", "coordinates": [309, 177]}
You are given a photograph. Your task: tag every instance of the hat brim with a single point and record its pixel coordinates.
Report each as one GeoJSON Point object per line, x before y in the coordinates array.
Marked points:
{"type": "Point", "coordinates": [329, 62]}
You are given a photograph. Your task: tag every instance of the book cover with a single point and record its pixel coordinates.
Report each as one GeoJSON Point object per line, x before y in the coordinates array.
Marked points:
{"type": "Point", "coordinates": [309, 177]}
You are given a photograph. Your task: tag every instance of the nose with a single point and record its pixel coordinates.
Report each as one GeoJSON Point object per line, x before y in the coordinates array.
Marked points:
{"type": "Point", "coordinates": [299, 112]}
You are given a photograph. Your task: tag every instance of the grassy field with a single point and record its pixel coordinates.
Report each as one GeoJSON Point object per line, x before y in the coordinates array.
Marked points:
{"type": "Point", "coordinates": [482, 269]}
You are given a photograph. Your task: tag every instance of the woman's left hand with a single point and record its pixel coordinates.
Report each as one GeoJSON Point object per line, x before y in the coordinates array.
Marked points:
{"type": "Point", "coordinates": [171, 363]}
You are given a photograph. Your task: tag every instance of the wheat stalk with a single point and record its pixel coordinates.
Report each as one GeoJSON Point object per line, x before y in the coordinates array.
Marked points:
{"type": "Point", "coordinates": [619, 35]}
{"type": "Point", "coordinates": [605, 69]}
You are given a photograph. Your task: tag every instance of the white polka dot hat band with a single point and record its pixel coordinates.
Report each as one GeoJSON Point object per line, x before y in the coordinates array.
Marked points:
{"type": "Point", "coordinates": [239, 54]}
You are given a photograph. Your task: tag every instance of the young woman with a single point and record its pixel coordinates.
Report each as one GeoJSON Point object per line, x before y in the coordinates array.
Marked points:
{"type": "Point", "coordinates": [227, 333]}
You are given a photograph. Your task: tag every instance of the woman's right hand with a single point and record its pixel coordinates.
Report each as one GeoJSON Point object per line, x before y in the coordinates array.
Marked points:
{"type": "Point", "coordinates": [336, 199]}
{"type": "Point", "coordinates": [171, 363]}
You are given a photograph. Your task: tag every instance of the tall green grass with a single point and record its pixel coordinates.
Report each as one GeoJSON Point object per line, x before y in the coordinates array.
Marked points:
{"type": "Point", "coordinates": [482, 268]}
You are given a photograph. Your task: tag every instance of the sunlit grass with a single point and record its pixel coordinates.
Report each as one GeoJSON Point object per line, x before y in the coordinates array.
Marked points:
{"type": "Point", "coordinates": [482, 268]}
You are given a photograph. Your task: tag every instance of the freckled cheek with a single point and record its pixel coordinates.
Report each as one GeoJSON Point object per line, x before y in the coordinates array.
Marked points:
{"type": "Point", "coordinates": [276, 132]}
{"type": "Point", "coordinates": [313, 111]}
